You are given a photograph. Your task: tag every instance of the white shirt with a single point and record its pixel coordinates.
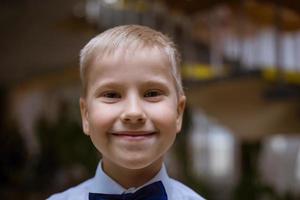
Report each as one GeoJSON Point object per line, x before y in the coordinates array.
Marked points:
{"type": "Point", "coordinates": [102, 183]}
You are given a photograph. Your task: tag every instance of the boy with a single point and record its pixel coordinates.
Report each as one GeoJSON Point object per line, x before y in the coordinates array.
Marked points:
{"type": "Point", "coordinates": [132, 105]}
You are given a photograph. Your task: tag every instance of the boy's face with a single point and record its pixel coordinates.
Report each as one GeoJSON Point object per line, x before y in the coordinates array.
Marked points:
{"type": "Point", "coordinates": [131, 110]}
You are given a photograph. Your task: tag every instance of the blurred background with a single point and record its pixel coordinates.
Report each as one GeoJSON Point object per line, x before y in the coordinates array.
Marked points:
{"type": "Point", "coordinates": [241, 71]}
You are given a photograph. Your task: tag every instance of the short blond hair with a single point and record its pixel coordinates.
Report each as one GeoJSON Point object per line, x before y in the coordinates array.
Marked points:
{"type": "Point", "coordinates": [128, 36]}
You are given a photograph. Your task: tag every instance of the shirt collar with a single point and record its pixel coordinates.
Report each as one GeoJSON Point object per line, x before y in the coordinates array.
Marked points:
{"type": "Point", "coordinates": [104, 184]}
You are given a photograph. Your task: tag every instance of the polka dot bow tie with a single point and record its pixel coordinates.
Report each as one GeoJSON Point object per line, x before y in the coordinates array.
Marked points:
{"type": "Point", "coordinates": [154, 191]}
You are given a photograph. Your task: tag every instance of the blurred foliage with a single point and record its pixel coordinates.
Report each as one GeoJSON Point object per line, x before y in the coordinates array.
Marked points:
{"type": "Point", "coordinates": [13, 156]}
{"type": "Point", "coordinates": [63, 145]}
{"type": "Point", "coordinates": [12, 152]}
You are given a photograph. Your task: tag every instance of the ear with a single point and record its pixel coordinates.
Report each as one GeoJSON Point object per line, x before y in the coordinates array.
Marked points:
{"type": "Point", "coordinates": [84, 116]}
{"type": "Point", "coordinates": [180, 111]}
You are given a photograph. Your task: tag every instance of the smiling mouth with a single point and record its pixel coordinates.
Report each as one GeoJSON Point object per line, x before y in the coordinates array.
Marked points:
{"type": "Point", "coordinates": [134, 136]}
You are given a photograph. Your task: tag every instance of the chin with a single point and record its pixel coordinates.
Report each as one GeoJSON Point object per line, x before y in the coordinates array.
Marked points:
{"type": "Point", "coordinates": [136, 162]}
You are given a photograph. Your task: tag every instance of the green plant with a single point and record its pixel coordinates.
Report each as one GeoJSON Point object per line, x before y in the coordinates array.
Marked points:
{"type": "Point", "coordinates": [63, 145]}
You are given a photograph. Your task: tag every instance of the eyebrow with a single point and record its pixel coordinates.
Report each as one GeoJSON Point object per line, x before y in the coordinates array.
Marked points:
{"type": "Point", "coordinates": [105, 84]}
{"type": "Point", "coordinates": [157, 83]}
{"type": "Point", "coordinates": [118, 84]}
{"type": "Point", "coordinates": [113, 82]}
{"type": "Point", "coordinates": [154, 82]}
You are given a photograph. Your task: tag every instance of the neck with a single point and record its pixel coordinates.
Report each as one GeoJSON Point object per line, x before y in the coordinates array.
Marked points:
{"type": "Point", "coordinates": [128, 178]}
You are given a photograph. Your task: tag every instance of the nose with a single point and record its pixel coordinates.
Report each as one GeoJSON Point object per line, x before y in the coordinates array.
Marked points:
{"type": "Point", "coordinates": [133, 111]}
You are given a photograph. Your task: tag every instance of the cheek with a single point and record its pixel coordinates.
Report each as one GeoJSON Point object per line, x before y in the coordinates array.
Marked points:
{"type": "Point", "coordinates": [164, 115]}
{"type": "Point", "coordinates": [102, 115]}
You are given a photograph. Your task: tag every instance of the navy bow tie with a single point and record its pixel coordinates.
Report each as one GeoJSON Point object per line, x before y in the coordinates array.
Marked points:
{"type": "Point", "coordinates": [154, 191]}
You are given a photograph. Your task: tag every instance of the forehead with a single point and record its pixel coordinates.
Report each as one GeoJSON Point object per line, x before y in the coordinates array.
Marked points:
{"type": "Point", "coordinates": [153, 57]}
{"type": "Point", "coordinates": [125, 64]}
{"type": "Point", "coordinates": [129, 53]}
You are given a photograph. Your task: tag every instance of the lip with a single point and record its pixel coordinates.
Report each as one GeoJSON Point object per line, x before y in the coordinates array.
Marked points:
{"type": "Point", "coordinates": [134, 135]}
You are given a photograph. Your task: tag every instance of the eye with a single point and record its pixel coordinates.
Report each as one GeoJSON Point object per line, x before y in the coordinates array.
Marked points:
{"type": "Point", "coordinates": [153, 95]}
{"type": "Point", "coordinates": [110, 97]}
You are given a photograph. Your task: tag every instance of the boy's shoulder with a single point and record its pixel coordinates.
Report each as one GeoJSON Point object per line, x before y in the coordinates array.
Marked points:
{"type": "Point", "coordinates": [183, 192]}
{"type": "Point", "coordinates": [74, 193]}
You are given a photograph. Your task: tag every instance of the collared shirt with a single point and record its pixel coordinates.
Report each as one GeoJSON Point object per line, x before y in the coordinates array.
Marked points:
{"type": "Point", "coordinates": [102, 183]}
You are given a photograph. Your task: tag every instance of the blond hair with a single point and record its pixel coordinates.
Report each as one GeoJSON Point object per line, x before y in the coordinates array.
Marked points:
{"type": "Point", "coordinates": [128, 36]}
